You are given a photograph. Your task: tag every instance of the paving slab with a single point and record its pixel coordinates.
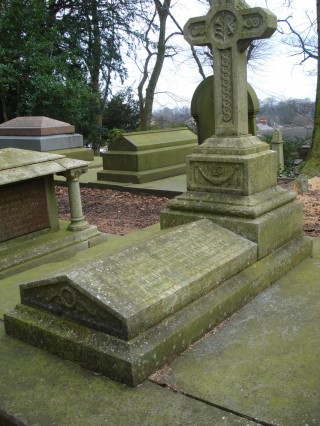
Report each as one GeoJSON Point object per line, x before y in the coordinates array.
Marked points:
{"type": "Point", "coordinates": [37, 388]}
{"type": "Point", "coordinates": [263, 361]}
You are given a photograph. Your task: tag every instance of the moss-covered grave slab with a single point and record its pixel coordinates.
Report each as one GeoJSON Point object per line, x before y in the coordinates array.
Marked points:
{"type": "Point", "coordinates": [104, 309]}
{"type": "Point", "coordinates": [141, 157]}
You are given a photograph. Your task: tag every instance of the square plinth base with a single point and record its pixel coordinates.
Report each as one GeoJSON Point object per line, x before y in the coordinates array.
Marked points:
{"type": "Point", "coordinates": [133, 361]}
{"type": "Point", "coordinates": [269, 231]}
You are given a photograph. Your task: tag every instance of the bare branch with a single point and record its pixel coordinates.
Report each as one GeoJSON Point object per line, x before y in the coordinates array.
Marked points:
{"type": "Point", "coordinates": [303, 43]}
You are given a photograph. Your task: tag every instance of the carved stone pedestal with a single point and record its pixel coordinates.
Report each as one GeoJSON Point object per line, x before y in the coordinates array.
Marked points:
{"type": "Point", "coordinates": [233, 182]}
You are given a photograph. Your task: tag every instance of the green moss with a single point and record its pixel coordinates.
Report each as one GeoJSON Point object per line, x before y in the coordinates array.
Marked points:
{"type": "Point", "coordinates": [131, 362]}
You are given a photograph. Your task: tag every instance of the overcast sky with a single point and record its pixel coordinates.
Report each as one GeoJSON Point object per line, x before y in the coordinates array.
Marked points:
{"type": "Point", "coordinates": [278, 76]}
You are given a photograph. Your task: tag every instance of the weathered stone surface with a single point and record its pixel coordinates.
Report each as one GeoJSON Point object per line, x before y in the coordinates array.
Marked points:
{"type": "Point", "coordinates": [18, 165]}
{"type": "Point", "coordinates": [125, 294]}
{"type": "Point", "coordinates": [55, 388]}
{"type": "Point", "coordinates": [269, 231]}
{"type": "Point", "coordinates": [43, 248]}
{"type": "Point", "coordinates": [35, 126]}
{"type": "Point", "coordinates": [145, 156]}
{"type": "Point", "coordinates": [233, 174]}
{"type": "Point", "coordinates": [119, 298]}
{"type": "Point", "coordinates": [277, 146]}
{"type": "Point", "coordinates": [264, 362]}
{"type": "Point", "coordinates": [132, 361]}
{"type": "Point", "coordinates": [251, 206]}
{"type": "Point", "coordinates": [228, 28]}
{"type": "Point", "coordinates": [23, 209]}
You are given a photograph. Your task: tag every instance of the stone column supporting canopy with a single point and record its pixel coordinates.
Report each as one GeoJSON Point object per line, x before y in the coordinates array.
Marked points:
{"type": "Point", "coordinates": [77, 219]}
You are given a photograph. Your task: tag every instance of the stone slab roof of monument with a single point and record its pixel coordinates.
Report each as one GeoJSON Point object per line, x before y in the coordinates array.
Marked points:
{"type": "Point", "coordinates": [35, 126]}
{"type": "Point", "coordinates": [154, 139]}
{"type": "Point", "coordinates": [20, 164]}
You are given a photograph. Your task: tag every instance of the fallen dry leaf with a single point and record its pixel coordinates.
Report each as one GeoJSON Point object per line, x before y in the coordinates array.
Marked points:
{"type": "Point", "coordinates": [116, 212]}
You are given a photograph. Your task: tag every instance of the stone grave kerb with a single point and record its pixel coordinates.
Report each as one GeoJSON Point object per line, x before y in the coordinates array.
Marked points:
{"type": "Point", "coordinates": [228, 29]}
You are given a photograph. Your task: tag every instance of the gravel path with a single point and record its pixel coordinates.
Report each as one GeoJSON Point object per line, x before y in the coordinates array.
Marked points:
{"type": "Point", "coordinates": [119, 213]}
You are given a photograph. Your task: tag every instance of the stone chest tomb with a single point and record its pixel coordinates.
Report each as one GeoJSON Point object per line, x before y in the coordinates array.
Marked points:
{"type": "Point", "coordinates": [146, 156]}
{"type": "Point", "coordinates": [44, 134]}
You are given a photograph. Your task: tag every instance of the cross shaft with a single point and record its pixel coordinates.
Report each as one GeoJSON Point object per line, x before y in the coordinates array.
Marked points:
{"type": "Point", "coordinates": [228, 29]}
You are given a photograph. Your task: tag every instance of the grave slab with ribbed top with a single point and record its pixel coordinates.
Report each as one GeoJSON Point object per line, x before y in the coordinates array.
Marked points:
{"type": "Point", "coordinates": [113, 315]}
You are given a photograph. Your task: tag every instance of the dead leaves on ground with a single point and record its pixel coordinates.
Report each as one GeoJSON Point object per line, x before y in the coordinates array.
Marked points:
{"type": "Point", "coordinates": [117, 212]}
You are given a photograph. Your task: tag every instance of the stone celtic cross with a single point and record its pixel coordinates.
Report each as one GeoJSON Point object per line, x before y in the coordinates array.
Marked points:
{"type": "Point", "coordinates": [228, 29]}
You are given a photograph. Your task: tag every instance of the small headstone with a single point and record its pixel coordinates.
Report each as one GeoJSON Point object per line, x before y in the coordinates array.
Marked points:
{"type": "Point", "coordinates": [304, 151]}
{"type": "Point", "coordinates": [43, 134]}
{"type": "Point", "coordinates": [277, 145]}
{"type": "Point", "coordinates": [202, 109]}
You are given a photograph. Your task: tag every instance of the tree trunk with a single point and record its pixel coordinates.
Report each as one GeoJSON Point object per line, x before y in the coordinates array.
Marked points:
{"type": "Point", "coordinates": [312, 165]}
{"type": "Point", "coordinates": [163, 12]}
{"type": "Point", "coordinates": [95, 65]}
{"type": "Point", "coordinates": [4, 106]}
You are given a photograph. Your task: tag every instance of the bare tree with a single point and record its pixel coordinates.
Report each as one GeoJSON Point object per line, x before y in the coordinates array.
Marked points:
{"type": "Point", "coordinates": [307, 44]}
{"type": "Point", "coordinates": [158, 50]}
{"type": "Point", "coordinates": [312, 166]}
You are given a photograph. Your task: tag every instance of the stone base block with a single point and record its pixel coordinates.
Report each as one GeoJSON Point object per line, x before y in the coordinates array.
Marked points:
{"type": "Point", "coordinates": [26, 252]}
{"type": "Point", "coordinates": [269, 231]}
{"type": "Point", "coordinates": [251, 206]}
{"type": "Point", "coordinates": [42, 143]}
{"type": "Point", "coordinates": [141, 176]}
{"type": "Point", "coordinates": [133, 361]}
{"type": "Point", "coordinates": [232, 174]}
